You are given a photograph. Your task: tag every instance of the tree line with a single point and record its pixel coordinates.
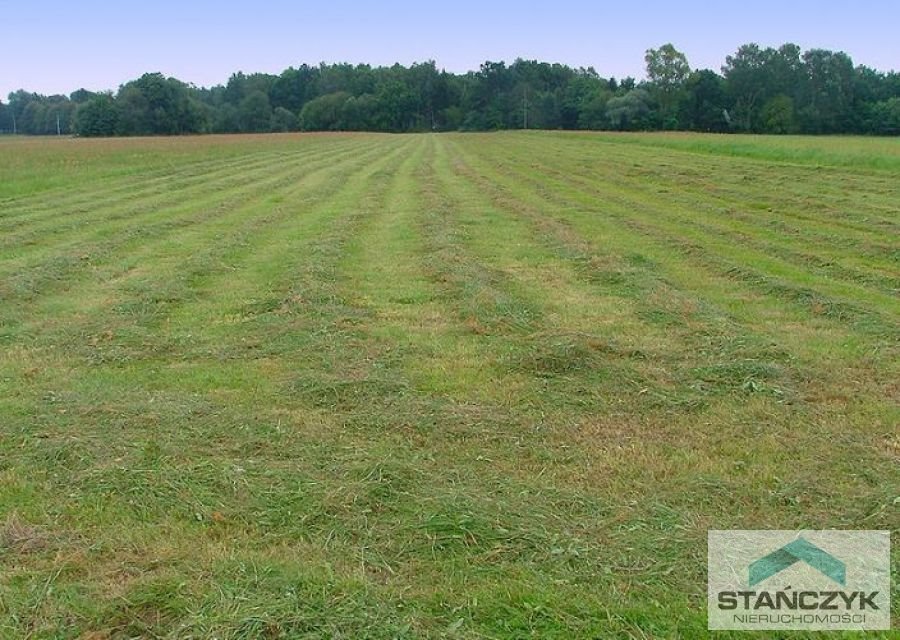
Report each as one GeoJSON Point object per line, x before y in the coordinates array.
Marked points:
{"type": "Point", "coordinates": [759, 90]}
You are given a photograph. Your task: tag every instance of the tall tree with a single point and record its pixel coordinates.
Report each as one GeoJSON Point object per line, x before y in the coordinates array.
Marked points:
{"type": "Point", "coordinates": [156, 105]}
{"type": "Point", "coordinates": [667, 71]}
{"type": "Point", "coordinates": [829, 96]}
{"type": "Point", "coordinates": [5, 118]}
{"type": "Point", "coordinates": [255, 113]}
{"type": "Point", "coordinates": [293, 88]}
{"type": "Point", "coordinates": [630, 111]}
{"type": "Point", "coordinates": [97, 117]}
{"type": "Point", "coordinates": [746, 84]}
{"type": "Point", "coordinates": [324, 113]}
{"type": "Point", "coordinates": [705, 104]}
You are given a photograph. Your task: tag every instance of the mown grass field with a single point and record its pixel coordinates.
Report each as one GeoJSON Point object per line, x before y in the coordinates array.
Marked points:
{"type": "Point", "coordinates": [447, 386]}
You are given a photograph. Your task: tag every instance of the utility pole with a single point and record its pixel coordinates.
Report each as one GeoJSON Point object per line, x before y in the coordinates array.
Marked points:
{"type": "Point", "coordinates": [58, 130]}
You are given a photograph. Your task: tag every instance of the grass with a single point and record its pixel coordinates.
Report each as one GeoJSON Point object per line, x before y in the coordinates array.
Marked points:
{"type": "Point", "coordinates": [819, 152]}
{"type": "Point", "coordinates": [461, 386]}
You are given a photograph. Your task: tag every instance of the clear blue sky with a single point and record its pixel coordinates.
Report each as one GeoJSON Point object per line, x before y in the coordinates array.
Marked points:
{"type": "Point", "coordinates": [55, 47]}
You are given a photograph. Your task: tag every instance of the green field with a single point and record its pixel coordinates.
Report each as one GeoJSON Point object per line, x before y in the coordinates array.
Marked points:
{"type": "Point", "coordinates": [448, 386]}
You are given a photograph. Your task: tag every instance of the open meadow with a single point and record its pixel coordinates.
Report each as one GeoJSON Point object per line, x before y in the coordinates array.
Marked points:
{"type": "Point", "coordinates": [448, 386]}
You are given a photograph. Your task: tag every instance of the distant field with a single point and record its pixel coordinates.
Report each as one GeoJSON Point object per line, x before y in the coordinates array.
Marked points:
{"type": "Point", "coordinates": [449, 386]}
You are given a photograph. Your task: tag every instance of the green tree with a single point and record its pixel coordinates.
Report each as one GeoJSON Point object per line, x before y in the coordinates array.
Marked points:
{"type": "Point", "coordinates": [255, 113]}
{"type": "Point", "coordinates": [745, 83]}
{"type": "Point", "coordinates": [156, 105]}
{"type": "Point", "coordinates": [667, 71]}
{"type": "Point", "coordinates": [777, 115]}
{"type": "Point", "coordinates": [241, 85]}
{"type": "Point", "coordinates": [667, 67]}
{"type": "Point", "coordinates": [226, 119]}
{"type": "Point", "coordinates": [18, 102]}
{"type": "Point", "coordinates": [829, 96]}
{"type": "Point", "coordinates": [884, 117]}
{"type": "Point", "coordinates": [59, 116]}
{"type": "Point", "coordinates": [629, 112]}
{"type": "Point", "coordinates": [705, 103]}
{"type": "Point", "coordinates": [5, 119]}
{"type": "Point", "coordinates": [784, 71]}
{"type": "Point", "coordinates": [397, 106]}
{"type": "Point", "coordinates": [284, 120]}
{"type": "Point", "coordinates": [583, 99]}
{"type": "Point", "coordinates": [97, 117]}
{"type": "Point", "coordinates": [593, 111]}
{"type": "Point", "coordinates": [32, 118]}
{"type": "Point", "coordinates": [489, 99]}
{"type": "Point", "coordinates": [356, 113]}
{"type": "Point", "coordinates": [293, 88]}
{"type": "Point", "coordinates": [81, 96]}
{"type": "Point", "coordinates": [324, 113]}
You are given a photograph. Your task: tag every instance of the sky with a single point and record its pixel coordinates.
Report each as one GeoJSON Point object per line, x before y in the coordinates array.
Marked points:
{"type": "Point", "coordinates": [56, 47]}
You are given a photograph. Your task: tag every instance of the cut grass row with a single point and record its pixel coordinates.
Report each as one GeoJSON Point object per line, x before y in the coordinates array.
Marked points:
{"type": "Point", "coordinates": [685, 208]}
